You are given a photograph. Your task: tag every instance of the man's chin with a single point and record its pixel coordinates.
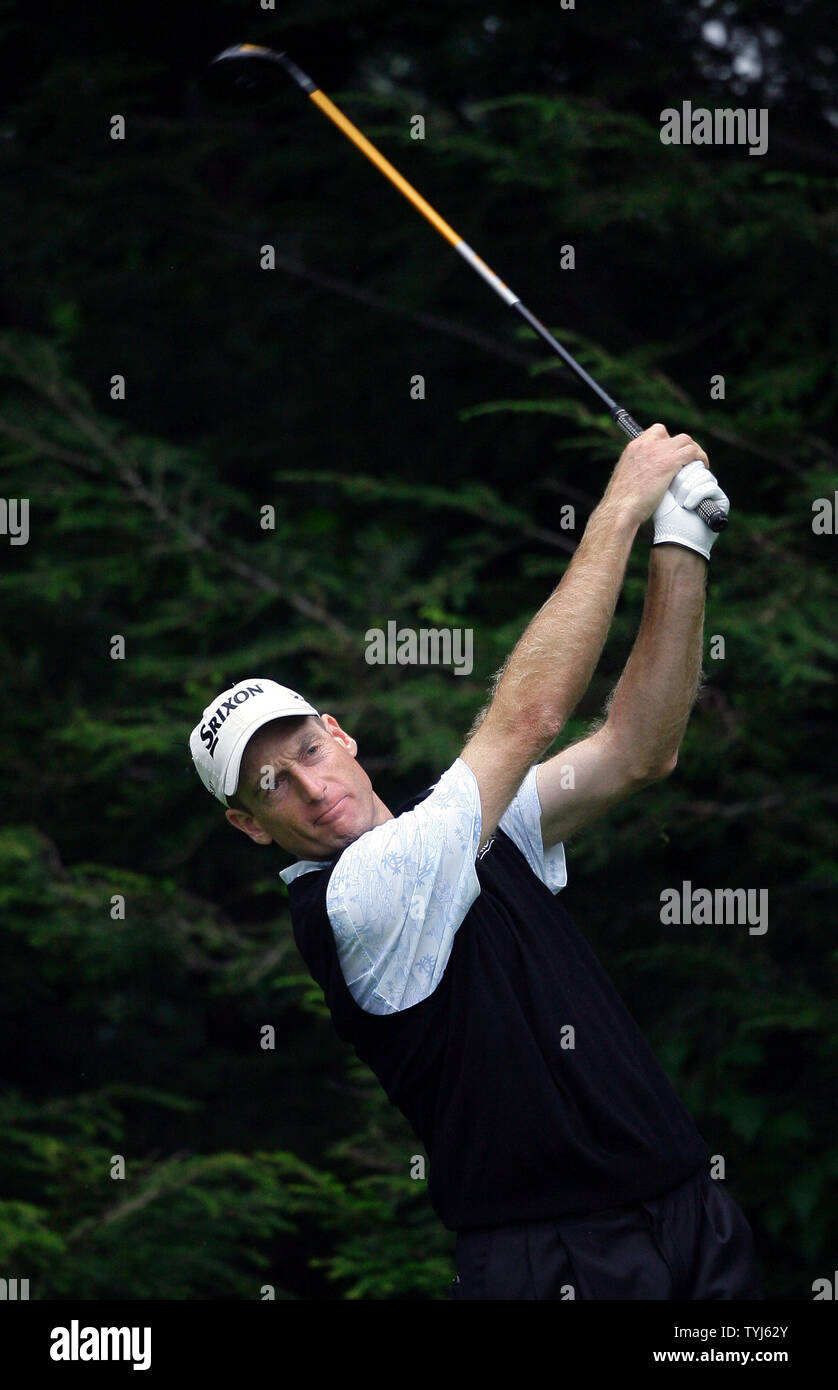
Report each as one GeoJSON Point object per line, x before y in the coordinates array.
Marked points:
{"type": "Point", "coordinates": [338, 840]}
{"type": "Point", "coordinates": [342, 838]}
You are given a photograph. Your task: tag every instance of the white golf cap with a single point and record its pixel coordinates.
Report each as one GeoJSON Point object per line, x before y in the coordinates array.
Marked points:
{"type": "Point", "coordinates": [218, 741]}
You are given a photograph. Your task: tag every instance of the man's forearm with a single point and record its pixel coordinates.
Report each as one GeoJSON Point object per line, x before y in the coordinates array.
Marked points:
{"type": "Point", "coordinates": [651, 704]}
{"type": "Point", "coordinates": [550, 667]}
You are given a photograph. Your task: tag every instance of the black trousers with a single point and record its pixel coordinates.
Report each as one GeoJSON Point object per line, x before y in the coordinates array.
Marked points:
{"type": "Point", "coordinates": [691, 1243]}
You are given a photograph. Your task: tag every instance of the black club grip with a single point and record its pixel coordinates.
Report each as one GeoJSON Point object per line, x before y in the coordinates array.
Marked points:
{"type": "Point", "coordinates": [712, 515]}
{"type": "Point", "coordinates": [710, 512]}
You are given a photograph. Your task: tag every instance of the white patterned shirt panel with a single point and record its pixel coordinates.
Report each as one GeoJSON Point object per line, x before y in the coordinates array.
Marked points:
{"type": "Point", "coordinates": [398, 893]}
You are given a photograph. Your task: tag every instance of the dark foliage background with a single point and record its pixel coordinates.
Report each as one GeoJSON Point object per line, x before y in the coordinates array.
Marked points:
{"type": "Point", "coordinates": [247, 388]}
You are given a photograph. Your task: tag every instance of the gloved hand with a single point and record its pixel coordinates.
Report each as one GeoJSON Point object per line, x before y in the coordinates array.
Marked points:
{"type": "Point", "coordinates": [676, 520]}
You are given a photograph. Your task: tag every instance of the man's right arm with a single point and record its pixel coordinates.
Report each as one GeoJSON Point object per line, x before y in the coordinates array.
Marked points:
{"type": "Point", "coordinates": [551, 665]}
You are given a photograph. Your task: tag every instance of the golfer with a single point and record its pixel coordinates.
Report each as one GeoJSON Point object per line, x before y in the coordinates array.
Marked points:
{"type": "Point", "coordinates": [559, 1152]}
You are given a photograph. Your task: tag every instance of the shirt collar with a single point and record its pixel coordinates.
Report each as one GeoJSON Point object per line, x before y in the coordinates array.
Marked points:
{"type": "Point", "coordinates": [302, 866]}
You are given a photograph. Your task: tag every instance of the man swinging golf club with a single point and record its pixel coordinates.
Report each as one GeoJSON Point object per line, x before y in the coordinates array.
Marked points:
{"type": "Point", "coordinates": [559, 1152]}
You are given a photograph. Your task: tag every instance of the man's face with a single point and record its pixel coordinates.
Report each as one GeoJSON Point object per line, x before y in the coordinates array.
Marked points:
{"type": "Point", "coordinates": [304, 789]}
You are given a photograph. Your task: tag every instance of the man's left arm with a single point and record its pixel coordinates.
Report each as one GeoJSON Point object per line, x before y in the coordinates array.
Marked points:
{"type": "Point", "coordinates": [648, 710]}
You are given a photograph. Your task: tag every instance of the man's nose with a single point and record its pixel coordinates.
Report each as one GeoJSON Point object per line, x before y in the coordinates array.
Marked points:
{"type": "Point", "coordinates": [311, 784]}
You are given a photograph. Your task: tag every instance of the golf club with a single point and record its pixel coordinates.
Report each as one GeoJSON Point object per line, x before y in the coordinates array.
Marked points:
{"type": "Point", "coordinates": [248, 76]}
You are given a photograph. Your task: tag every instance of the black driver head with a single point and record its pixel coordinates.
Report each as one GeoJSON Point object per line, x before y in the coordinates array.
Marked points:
{"type": "Point", "coordinates": [244, 78]}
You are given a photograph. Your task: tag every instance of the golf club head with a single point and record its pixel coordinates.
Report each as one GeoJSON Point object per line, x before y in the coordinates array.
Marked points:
{"type": "Point", "coordinates": [245, 77]}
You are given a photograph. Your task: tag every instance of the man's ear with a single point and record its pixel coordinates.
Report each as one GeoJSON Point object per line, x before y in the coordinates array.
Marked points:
{"type": "Point", "coordinates": [340, 734]}
{"type": "Point", "coordinates": [248, 826]}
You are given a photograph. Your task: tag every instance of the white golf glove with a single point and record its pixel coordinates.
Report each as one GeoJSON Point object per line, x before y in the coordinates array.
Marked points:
{"type": "Point", "coordinates": [676, 520]}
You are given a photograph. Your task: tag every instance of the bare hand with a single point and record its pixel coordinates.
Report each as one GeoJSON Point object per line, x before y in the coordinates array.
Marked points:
{"type": "Point", "coordinates": [645, 469]}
